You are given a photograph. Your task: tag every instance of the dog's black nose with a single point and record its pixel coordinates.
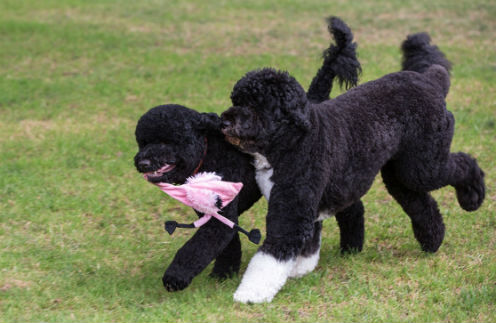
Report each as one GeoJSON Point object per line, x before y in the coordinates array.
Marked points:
{"type": "Point", "coordinates": [144, 163]}
{"type": "Point", "coordinates": [226, 124]}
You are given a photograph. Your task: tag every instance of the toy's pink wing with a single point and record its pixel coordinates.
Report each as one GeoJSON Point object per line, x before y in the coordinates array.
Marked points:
{"type": "Point", "coordinates": [177, 192]}
{"type": "Point", "coordinates": [226, 191]}
{"type": "Point", "coordinates": [202, 196]}
{"type": "Point", "coordinates": [199, 199]}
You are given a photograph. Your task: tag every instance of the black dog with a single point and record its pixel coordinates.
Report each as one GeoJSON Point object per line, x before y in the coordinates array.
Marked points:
{"type": "Point", "coordinates": [176, 142]}
{"type": "Point", "coordinates": [324, 158]}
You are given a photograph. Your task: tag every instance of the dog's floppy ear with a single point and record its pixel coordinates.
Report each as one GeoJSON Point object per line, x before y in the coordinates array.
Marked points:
{"type": "Point", "coordinates": [209, 122]}
{"type": "Point", "coordinates": [295, 103]}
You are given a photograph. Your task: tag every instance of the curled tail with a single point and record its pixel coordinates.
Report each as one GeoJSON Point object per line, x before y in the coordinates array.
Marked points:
{"type": "Point", "coordinates": [340, 61]}
{"type": "Point", "coordinates": [422, 57]}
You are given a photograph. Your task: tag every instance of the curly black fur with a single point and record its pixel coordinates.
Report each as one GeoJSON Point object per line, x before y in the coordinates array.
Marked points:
{"type": "Point", "coordinates": [189, 141]}
{"type": "Point", "coordinates": [325, 156]}
{"type": "Point", "coordinates": [419, 54]}
{"type": "Point", "coordinates": [340, 61]}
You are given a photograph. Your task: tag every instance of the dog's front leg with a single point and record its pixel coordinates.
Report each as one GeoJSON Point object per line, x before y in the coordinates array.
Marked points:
{"type": "Point", "coordinates": [228, 261]}
{"type": "Point", "coordinates": [207, 243]}
{"type": "Point", "coordinates": [289, 225]}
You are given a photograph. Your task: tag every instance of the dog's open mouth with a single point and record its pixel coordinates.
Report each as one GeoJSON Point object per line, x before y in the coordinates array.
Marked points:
{"type": "Point", "coordinates": [160, 172]}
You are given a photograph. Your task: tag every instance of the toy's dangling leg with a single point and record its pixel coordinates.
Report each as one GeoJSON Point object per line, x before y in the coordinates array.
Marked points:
{"type": "Point", "coordinates": [254, 235]}
{"type": "Point", "coordinates": [170, 226]}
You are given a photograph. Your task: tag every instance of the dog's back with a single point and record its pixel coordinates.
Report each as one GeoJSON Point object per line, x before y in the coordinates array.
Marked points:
{"type": "Point", "coordinates": [400, 96]}
{"type": "Point", "coordinates": [376, 122]}
{"type": "Point", "coordinates": [403, 95]}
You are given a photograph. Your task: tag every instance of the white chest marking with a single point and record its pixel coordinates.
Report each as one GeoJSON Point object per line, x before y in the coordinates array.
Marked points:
{"type": "Point", "coordinates": [263, 174]}
{"type": "Point", "coordinates": [324, 214]}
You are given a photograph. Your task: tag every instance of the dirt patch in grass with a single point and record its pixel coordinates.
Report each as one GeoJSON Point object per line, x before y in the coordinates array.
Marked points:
{"type": "Point", "coordinates": [14, 283]}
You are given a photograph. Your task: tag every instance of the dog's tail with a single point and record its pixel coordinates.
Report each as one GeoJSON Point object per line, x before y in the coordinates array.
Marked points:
{"type": "Point", "coordinates": [340, 61]}
{"type": "Point", "coordinates": [422, 57]}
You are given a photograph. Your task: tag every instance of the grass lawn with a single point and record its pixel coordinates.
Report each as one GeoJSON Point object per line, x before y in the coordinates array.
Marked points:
{"type": "Point", "coordinates": [81, 233]}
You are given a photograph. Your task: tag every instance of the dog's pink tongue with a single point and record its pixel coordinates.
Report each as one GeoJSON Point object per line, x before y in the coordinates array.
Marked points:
{"type": "Point", "coordinates": [160, 172]}
{"type": "Point", "coordinates": [166, 168]}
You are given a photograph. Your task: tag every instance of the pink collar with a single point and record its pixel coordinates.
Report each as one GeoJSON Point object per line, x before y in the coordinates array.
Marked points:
{"type": "Point", "coordinates": [208, 194]}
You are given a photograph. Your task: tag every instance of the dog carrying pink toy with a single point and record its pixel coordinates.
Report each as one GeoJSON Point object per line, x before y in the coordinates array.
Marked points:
{"type": "Point", "coordinates": [206, 193]}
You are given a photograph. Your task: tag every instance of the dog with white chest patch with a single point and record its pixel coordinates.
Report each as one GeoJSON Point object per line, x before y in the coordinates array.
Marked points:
{"type": "Point", "coordinates": [320, 159]}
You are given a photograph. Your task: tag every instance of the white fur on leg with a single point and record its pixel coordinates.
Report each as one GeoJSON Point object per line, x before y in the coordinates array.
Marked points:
{"type": "Point", "coordinates": [263, 278]}
{"type": "Point", "coordinates": [304, 265]}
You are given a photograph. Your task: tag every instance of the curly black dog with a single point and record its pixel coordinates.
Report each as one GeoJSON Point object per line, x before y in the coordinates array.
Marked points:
{"type": "Point", "coordinates": [324, 157]}
{"type": "Point", "coordinates": [176, 142]}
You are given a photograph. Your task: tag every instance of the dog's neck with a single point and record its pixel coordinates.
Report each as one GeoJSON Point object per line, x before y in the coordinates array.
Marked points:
{"type": "Point", "coordinates": [200, 164]}
{"type": "Point", "coordinates": [285, 142]}
{"type": "Point", "coordinates": [288, 136]}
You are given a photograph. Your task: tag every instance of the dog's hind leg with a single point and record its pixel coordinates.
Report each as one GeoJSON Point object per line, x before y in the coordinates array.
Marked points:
{"type": "Point", "coordinates": [351, 227]}
{"type": "Point", "coordinates": [228, 262]}
{"type": "Point", "coordinates": [427, 222]}
{"type": "Point", "coordinates": [428, 165]}
{"type": "Point", "coordinates": [432, 169]}
{"type": "Point", "coordinates": [308, 258]}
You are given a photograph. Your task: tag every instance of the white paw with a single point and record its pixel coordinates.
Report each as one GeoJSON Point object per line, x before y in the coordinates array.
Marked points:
{"type": "Point", "coordinates": [263, 278]}
{"type": "Point", "coordinates": [304, 265]}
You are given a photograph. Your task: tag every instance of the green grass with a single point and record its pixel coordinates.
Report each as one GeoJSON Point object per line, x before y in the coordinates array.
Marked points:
{"type": "Point", "coordinates": [81, 234]}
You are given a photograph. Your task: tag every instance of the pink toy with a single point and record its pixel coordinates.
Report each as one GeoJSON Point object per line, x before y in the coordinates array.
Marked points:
{"type": "Point", "coordinates": [206, 193]}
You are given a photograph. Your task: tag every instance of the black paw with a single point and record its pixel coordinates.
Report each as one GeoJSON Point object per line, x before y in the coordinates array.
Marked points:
{"type": "Point", "coordinates": [430, 237]}
{"type": "Point", "coordinates": [431, 246]}
{"type": "Point", "coordinates": [471, 195]}
{"type": "Point", "coordinates": [349, 250]}
{"type": "Point", "coordinates": [352, 246]}
{"type": "Point", "coordinates": [470, 198]}
{"type": "Point", "coordinates": [173, 283]}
